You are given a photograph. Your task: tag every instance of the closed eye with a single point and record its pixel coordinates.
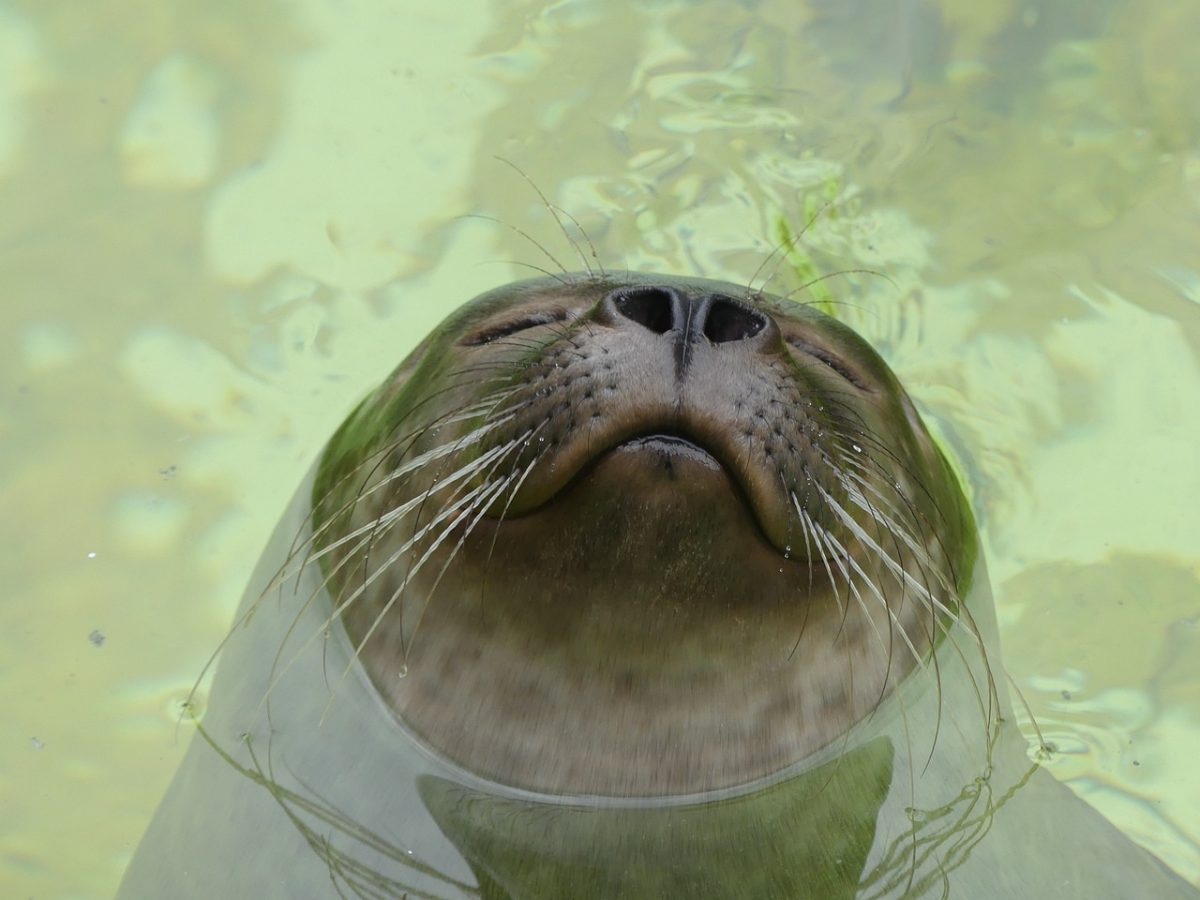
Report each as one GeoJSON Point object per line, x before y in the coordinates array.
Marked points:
{"type": "Point", "coordinates": [513, 326]}
{"type": "Point", "coordinates": [829, 360]}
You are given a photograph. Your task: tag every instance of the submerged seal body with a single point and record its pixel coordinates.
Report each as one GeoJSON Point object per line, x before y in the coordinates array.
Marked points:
{"type": "Point", "coordinates": [625, 586]}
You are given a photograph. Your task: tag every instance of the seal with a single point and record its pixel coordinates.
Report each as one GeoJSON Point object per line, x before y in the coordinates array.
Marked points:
{"type": "Point", "coordinates": [625, 585]}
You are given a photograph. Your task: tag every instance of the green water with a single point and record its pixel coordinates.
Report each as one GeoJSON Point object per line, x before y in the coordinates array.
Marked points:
{"type": "Point", "coordinates": [221, 223]}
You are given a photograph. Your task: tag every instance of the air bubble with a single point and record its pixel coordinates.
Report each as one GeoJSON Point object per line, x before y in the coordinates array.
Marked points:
{"type": "Point", "coordinates": [857, 449]}
{"type": "Point", "coordinates": [402, 672]}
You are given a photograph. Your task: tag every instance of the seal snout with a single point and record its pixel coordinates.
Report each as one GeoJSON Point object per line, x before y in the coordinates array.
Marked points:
{"type": "Point", "coordinates": [686, 361]}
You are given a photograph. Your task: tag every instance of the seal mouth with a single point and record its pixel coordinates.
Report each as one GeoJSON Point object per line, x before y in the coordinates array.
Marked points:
{"type": "Point", "coordinates": [684, 454]}
{"type": "Point", "coordinates": [664, 442]}
{"type": "Point", "coordinates": [677, 463]}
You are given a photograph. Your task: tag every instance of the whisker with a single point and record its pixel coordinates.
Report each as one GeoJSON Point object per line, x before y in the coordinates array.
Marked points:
{"type": "Point", "coordinates": [343, 602]}
{"type": "Point", "coordinates": [811, 527]}
{"type": "Point", "coordinates": [779, 253]}
{"type": "Point", "coordinates": [550, 256]}
{"type": "Point", "coordinates": [875, 591]}
{"type": "Point", "coordinates": [838, 273]}
{"type": "Point", "coordinates": [894, 567]}
{"type": "Point", "coordinates": [478, 493]}
{"type": "Point", "coordinates": [553, 210]}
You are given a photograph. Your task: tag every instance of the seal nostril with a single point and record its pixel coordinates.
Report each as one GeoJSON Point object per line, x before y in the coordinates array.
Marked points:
{"type": "Point", "coordinates": [649, 307]}
{"type": "Point", "coordinates": [728, 320]}
{"type": "Point", "coordinates": [716, 318]}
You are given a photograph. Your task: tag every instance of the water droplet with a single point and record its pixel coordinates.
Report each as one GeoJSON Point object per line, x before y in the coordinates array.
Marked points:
{"type": "Point", "coordinates": [857, 449]}
{"type": "Point", "coordinates": [541, 440]}
{"type": "Point", "coordinates": [402, 672]}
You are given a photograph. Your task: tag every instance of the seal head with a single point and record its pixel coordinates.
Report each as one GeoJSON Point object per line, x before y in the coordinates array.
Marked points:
{"type": "Point", "coordinates": [632, 535]}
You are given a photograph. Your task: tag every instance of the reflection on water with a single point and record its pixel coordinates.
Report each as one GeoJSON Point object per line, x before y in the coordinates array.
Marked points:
{"type": "Point", "coordinates": [206, 210]}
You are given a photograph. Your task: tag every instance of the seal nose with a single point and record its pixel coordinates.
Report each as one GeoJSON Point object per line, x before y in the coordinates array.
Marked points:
{"type": "Point", "coordinates": [712, 317]}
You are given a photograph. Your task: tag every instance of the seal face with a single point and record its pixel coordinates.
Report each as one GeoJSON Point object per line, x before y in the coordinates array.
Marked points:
{"type": "Point", "coordinates": [635, 535]}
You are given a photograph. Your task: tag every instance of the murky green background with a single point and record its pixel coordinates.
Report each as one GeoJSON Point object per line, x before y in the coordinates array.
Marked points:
{"type": "Point", "coordinates": [221, 222]}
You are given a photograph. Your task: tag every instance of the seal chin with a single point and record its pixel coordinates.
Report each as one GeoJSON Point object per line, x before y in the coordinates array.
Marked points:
{"type": "Point", "coordinates": [656, 516]}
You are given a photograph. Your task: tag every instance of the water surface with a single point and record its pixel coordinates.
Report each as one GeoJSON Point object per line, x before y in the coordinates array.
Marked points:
{"type": "Point", "coordinates": [221, 223]}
